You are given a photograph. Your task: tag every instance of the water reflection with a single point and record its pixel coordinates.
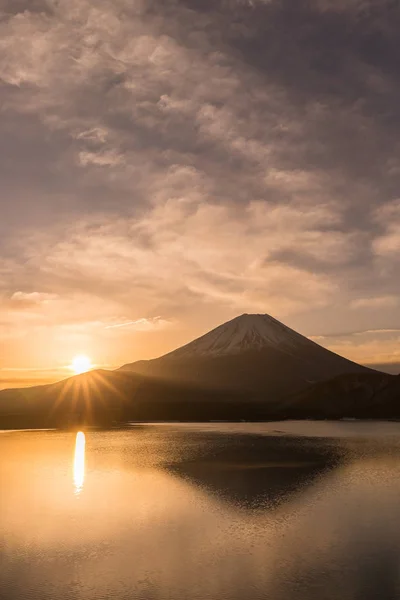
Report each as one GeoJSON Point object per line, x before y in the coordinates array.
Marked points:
{"type": "Point", "coordinates": [256, 471]}
{"type": "Point", "coordinates": [79, 462]}
{"type": "Point", "coordinates": [163, 507]}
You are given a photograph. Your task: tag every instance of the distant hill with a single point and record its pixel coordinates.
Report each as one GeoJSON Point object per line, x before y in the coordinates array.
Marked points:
{"type": "Point", "coordinates": [366, 395]}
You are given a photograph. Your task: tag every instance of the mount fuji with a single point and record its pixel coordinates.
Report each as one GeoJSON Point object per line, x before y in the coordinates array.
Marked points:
{"type": "Point", "coordinates": [252, 353]}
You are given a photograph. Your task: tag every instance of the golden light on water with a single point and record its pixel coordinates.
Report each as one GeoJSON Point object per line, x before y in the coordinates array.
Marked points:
{"type": "Point", "coordinates": [79, 461]}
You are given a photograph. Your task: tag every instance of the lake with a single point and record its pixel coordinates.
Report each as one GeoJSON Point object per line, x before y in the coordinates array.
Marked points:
{"type": "Point", "coordinates": [196, 512]}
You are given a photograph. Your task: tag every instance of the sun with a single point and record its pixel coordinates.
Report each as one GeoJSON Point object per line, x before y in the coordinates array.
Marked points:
{"type": "Point", "coordinates": [81, 364]}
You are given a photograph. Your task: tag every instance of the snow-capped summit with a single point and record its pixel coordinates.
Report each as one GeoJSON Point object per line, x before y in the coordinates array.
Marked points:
{"type": "Point", "coordinates": [243, 333]}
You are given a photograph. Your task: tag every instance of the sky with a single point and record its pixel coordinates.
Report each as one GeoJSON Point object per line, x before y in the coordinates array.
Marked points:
{"type": "Point", "coordinates": [167, 165]}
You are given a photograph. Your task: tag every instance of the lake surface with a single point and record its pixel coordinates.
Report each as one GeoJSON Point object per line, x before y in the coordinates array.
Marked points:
{"type": "Point", "coordinates": [199, 512]}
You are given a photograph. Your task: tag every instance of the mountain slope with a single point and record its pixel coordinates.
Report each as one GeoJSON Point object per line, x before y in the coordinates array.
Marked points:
{"type": "Point", "coordinates": [252, 353]}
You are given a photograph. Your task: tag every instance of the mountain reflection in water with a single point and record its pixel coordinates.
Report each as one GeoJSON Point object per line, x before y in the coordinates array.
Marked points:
{"type": "Point", "coordinates": [178, 512]}
{"type": "Point", "coordinates": [257, 471]}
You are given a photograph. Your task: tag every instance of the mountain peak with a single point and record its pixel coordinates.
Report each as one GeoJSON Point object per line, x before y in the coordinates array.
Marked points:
{"type": "Point", "coordinates": [243, 333]}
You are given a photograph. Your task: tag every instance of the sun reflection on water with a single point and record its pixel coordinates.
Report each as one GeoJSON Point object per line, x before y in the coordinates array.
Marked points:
{"type": "Point", "coordinates": [79, 462]}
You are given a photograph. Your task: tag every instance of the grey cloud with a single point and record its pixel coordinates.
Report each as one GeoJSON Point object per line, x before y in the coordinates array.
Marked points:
{"type": "Point", "coordinates": [387, 244]}
{"type": "Point", "coordinates": [349, 334]}
{"type": "Point", "coordinates": [376, 302]}
{"type": "Point", "coordinates": [339, 73]}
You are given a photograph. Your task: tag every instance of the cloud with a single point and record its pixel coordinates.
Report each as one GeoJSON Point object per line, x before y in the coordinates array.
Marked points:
{"type": "Point", "coordinates": [344, 5]}
{"type": "Point", "coordinates": [32, 297]}
{"type": "Point", "coordinates": [367, 331]}
{"type": "Point", "coordinates": [94, 135]}
{"type": "Point", "coordinates": [375, 351]}
{"type": "Point", "coordinates": [25, 301]}
{"type": "Point", "coordinates": [100, 159]}
{"type": "Point", "coordinates": [220, 254]}
{"type": "Point", "coordinates": [388, 217]}
{"type": "Point", "coordinates": [370, 346]}
{"type": "Point", "coordinates": [141, 324]}
{"type": "Point", "coordinates": [376, 302]}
